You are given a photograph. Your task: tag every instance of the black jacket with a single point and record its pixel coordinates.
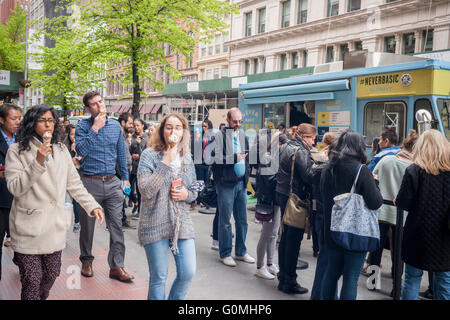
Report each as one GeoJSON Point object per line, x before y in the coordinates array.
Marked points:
{"type": "Point", "coordinates": [426, 239]}
{"type": "Point", "coordinates": [223, 165]}
{"type": "Point", "coordinates": [340, 180]}
{"type": "Point", "coordinates": [6, 198]}
{"type": "Point", "coordinates": [303, 175]}
{"type": "Point", "coordinates": [137, 148]}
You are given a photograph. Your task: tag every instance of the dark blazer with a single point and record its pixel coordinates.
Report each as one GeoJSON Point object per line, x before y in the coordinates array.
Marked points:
{"type": "Point", "coordinates": [426, 239]}
{"type": "Point", "coordinates": [6, 198]}
{"type": "Point", "coordinates": [223, 166]}
{"type": "Point", "coordinates": [338, 180]}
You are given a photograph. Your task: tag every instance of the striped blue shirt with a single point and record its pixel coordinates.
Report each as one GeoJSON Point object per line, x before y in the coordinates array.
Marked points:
{"type": "Point", "coordinates": [101, 151]}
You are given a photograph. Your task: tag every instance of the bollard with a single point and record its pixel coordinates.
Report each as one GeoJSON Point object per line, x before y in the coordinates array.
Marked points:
{"type": "Point", "coordinates": [398, 262]}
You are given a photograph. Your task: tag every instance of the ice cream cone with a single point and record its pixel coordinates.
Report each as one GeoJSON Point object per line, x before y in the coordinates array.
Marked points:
{"type": "Point", "coordinates": [173, 139]}
{"type": "Point", "coordinates": [47, 136]}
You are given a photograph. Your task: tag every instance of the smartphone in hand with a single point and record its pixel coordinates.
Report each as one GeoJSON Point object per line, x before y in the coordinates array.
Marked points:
{"type": "Point", "coordinates": [176, 184]}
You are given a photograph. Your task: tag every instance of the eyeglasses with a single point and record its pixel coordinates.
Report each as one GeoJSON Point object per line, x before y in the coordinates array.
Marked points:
{"type": "Point", "coordinates": [51, 121]}
{"type": "Point", "coordinates": [236, 121]}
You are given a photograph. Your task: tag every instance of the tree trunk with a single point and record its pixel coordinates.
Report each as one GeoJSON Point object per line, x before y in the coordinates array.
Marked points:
{"type": "Point", "coordinates": [136, 91]}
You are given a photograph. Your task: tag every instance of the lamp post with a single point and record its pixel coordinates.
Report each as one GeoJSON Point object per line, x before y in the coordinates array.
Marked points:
{"type": "Point", "coordinates": [26, 58]}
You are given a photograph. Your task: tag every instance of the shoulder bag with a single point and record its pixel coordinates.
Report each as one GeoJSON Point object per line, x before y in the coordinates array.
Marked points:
{"type": "Point", "coordinates": [354, 227]}
{"type": "Point", "coordinates": [297, 210]}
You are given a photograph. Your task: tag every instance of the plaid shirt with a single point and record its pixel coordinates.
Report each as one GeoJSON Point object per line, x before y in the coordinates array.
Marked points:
{"type": "Point", "coordinates": [101, 151]}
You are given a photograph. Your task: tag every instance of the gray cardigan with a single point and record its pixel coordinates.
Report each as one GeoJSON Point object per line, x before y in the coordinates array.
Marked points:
{"type": "Point", "coordinates": [158, 212]}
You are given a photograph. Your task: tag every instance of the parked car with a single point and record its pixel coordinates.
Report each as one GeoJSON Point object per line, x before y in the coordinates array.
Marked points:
{"type": "Point", "coordinates": [75, 119]}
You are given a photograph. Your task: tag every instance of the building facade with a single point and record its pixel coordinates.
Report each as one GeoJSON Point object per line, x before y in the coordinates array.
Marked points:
{"type": "Point", "coordinates": [273, 35]}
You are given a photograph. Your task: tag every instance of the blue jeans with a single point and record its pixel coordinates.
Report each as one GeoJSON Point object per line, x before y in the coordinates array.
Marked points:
{"type": "Point", "coordinates": [76, 208]}
{"type": "Point", "coordinates": [232, 199]}
{"type": "Point", "coordinates": [346, 264]}
{"type": "Point", "coordinates": [413, 277]}
{"type": "Point", "coordinates": [158, 263]}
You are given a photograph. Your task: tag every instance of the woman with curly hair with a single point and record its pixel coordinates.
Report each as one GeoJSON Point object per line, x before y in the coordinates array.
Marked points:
{"type": "Point", "coordinates": [39, 171]}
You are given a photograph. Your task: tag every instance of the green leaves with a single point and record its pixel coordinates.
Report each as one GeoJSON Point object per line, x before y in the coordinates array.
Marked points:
{"type": "Point", "coordinates": [12, 42]}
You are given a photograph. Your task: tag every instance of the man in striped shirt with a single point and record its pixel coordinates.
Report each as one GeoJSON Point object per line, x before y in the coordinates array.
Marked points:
{"type": "Point", "coordinates": [99, 140]}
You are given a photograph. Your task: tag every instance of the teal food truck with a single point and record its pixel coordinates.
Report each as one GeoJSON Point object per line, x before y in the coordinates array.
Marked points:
{"type": "Point", "coordinates": [365, 99]}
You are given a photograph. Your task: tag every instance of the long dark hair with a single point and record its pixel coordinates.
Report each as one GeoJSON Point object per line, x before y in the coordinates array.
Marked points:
{"type": "Point", "coordinates": [350, 144]}
{"type": "Point", "coordinates": [26, 131]}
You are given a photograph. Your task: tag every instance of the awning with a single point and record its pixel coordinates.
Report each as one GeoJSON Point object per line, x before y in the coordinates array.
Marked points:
{"type": "Point", "coordinates": [125, 109]}
{"type": "Point", "coordinates": [148, 108]}
{"type": "Point", "coordinates": [290, 98]}
{"type": "Point", "coordinates": [156, 108]}
{"type": "Point", "coordinates": [308, 88]}
{"type": "Point", "coordinates": [115, 109]}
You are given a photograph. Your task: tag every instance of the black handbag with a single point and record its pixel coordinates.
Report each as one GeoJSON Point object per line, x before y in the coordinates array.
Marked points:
{"type": "Point", "coordinates": [264, 212]}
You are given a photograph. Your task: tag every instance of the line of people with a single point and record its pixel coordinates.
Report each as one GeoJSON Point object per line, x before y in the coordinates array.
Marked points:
{"type": "Point", "coordinates": [291, 171]}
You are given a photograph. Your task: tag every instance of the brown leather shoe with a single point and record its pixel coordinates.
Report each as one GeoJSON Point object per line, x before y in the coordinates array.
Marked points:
{"type": "Point", "coordinates": [86, 269]}
{"type": "Point", "coordinates": [121, 275]}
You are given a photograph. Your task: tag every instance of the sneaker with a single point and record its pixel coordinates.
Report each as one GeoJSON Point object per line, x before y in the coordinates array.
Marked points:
{"type": "Point", "coordinates": [264, 274]}
{"type": "Point", "coordinates": [76, 227]}
{"type": "Point", "coordinates": [215, 245]}
{"type": "Point", "coordinates": [246, 258]}
{"type": "Point", "coordinates": [127, 225]}
{"type": "Point", "coordinates": [228, 261]}
{"type": "Point", "coordinates": [273, 269]}
{"type": "Point", "coordinates": [302, 265]}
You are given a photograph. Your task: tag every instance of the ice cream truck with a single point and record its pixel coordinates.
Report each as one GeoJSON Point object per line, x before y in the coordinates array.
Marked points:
{"type": "Point", "coordinates": [379, 95]}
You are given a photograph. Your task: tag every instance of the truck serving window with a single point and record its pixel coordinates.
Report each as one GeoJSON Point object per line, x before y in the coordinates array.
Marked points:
{"type": "Point", "coordinates": [443, 107]}
{"type": "Point", "coordinates": [384, 114]}
{"type": "Point", "coordinates": [424, 104]}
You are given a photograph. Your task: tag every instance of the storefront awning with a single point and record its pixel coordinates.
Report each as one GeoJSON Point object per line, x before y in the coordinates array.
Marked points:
{"type": "Point", "coordinates": [289, 98]}
{"type": "Point", "coordinates": [307, 88]}
{"type": "Point", "coordinates": [156, 108]}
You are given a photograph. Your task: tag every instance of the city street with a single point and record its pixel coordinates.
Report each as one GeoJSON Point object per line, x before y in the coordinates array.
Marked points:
{"type": "Point", "coordinates": [213, 280]}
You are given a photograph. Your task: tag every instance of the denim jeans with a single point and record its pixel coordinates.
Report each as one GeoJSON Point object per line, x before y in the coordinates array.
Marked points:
{"type": "Point", "coordinates": [232, 199]}
{"type": "Point", "coordinates": [158, 263]}
{"type": "Point", "coordinates": [413, 277]}
{"type": "Point", "coordinates": [346, 264]}
{"type": "Point", "coordinates": [76, 210]}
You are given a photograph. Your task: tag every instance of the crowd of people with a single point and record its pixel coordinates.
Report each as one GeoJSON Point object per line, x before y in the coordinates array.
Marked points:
{"type": "Point", "coordinates": [163, 171]}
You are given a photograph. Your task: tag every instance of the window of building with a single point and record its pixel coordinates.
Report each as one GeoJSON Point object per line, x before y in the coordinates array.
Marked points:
{"type": "Point", "coordinates": [225, 39]}
{"type": "Point", "coordinates": [305, 58]}
{"type": "Point", "coordinates": [203, 74]}
{"type": "Point", "coordinates": [294, 60]}
{"type": "Point", "coordinates": [343, 48]}
{"type": "Point", "coordinates": [218, 41]}
{"type": "Point", "coordinates": [255, 66]}
{"type": "Point", "coordinates": [409, 43]}
{"type": "Point", "coordinates": [330, 55]}
{"type": "Point", "coordinates": [389, 44]}
{"type": "Point", "coordinates": [210, 47]}
{"type": "Point", "coordinates": [380, 115]}
{"type": "Point", "coordinates": [333, 8]}
{"type": "Point", "coordinates": [247, 67]}
{"type": "Point", "coordinates": [208, 74]}
{"type": "Point", "coordinates": [427, 40]}
{"type": "Point", "coordinates": [358, 46]}
{"type": "Point", "coordinates": [248, 24]}
{"type": "Point", "coordinates": [203, 46]}
{"type": "Point", "coordinates": [354, 5]}
{"type": "Point", "coordinates": [283, 61]}
{"type": "Point", "coordinates": [387, 1]}
{"type": "Point", "coordinates": [285, 14]}
{"type": "Point", "coordinates": [302, 14]}
{"type": "Point", "coordinates": [262, 20]}
{"type": "Point", "coordinates": [216, 73]}
{"type": "Point", "coordinates": [264, 65]}
{"type": "Point", "coordinates": [190, 60]}
{"type": "Point", "coordinates": [224, 72]}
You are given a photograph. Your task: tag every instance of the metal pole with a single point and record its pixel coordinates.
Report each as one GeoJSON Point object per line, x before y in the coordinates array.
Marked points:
{"type": "Point", "coordinates": [26, 60]}
{"type": "Point", "coordinates": [398, 263]}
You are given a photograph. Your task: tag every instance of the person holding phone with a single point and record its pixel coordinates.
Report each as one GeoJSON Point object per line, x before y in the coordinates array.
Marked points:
{"type": "Point", "coordinates": [165, 177]}
{"type": "Point", "coordinates": [39, 172]}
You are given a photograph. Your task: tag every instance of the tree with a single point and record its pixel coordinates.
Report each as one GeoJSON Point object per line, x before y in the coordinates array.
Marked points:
{"type": "Point", "coordinates": [12, 41]}
{"type": "Point", "coordinates": [138, 30]}
{"type": "Point", "coordinates": [72, 66]}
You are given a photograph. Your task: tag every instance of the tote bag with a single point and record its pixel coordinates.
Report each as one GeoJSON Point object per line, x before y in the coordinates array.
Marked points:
{"type": "Point", "coordinates": [354, 227]}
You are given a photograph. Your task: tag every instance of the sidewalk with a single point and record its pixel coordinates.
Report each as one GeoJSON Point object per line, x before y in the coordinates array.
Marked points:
{"type": "Point", "coordinates": [213, 280]}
